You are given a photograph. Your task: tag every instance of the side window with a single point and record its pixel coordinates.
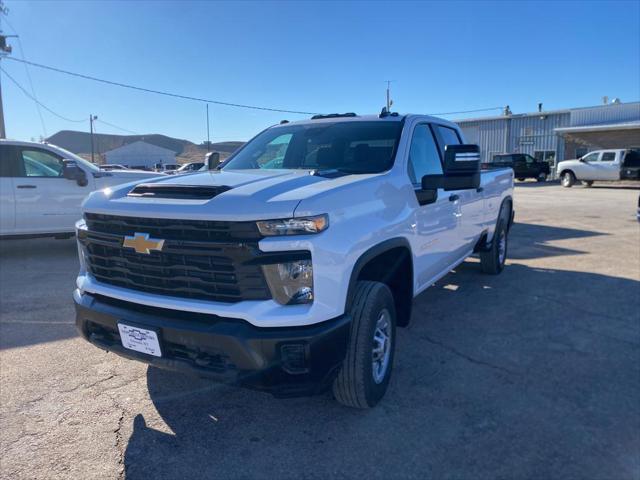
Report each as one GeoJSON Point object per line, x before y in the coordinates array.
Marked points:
{"type": "Point", "coordinates": [424, 158]}
{"type": "Point", "coordinates": [608, 157]}
{"type": "Point", "coordinates": [40, 163]}
{"type": "Point", "coordinates": [7, 161]}
{"type": "Point", "coordinates": [449, 136]}
{"type": "Point", "coordinates": [592, 157]}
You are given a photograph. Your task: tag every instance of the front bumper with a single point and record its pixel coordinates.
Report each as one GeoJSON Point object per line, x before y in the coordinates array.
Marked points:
{"type": "Point", "coordinates": [285, 361]}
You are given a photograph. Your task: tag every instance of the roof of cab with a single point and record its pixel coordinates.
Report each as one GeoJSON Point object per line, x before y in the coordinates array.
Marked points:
{"type": "Point", "coordinates": [367, 118]}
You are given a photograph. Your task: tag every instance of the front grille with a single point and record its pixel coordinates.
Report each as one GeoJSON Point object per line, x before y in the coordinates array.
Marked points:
{"type": "Point", "coordinates": [216, 261]}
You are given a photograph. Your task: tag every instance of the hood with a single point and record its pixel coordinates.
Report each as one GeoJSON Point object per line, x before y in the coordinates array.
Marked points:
{"type": "Point", "coordinates": [247, 195]}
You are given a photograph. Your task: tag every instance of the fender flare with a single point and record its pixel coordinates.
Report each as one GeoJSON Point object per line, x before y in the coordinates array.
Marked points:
{"type": "Point", "coordinates": [371, 253]}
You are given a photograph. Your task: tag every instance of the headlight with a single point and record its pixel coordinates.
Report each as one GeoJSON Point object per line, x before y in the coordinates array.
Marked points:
{"type": "Point", "coordinates": [81, 233]}
{"type": "Point", "coordinates": [294, 226]}
{"type": "Point", "coordinates": [291, 282]}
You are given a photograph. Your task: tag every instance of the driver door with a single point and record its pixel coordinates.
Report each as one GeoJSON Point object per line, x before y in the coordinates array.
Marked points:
{"type": "Point", "coordinates": [46, 202]}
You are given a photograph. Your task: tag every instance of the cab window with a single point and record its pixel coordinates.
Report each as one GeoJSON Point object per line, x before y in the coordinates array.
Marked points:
{"type": "Point", "coordinates": [40, 163]}
{"type": "Point", "coordinates": [449, 135]}
{"type": "Point", "coordinates": [608, 157]}
{"type": "Point", "coordinates": [592, 157]}
{"type": "Point", "coordinates": [424, 158]}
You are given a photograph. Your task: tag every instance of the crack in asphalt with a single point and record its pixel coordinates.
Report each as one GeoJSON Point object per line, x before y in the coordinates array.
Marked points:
{"type": "Point", "coordinates": [118, 441]}
{"type": "Point", "coordinates": [467, 357]}
{"type": "Point", "coordinates": [102, 380]}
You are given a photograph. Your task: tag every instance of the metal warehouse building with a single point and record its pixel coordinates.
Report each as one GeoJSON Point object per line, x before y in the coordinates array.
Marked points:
{"type": "Point", "coordinates": [556, 135]}
{"type": "Point", "coordinates": [140, 154]}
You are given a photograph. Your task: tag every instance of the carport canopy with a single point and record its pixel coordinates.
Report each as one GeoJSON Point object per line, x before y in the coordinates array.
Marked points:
{"type": "Point", "coordinates": [616, 135]}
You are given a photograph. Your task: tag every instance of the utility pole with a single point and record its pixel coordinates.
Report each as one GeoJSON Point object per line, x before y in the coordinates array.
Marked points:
{"type": "Point", "coordinates": [208, 139]}
{"type": "Point", "coordinates": [4, 51]}
{"type": "Point", "coordinates": [92, 118]}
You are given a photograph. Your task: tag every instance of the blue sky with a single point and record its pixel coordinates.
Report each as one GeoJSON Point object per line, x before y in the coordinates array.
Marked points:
{"type": "Point", "coordinates": [323, 57]}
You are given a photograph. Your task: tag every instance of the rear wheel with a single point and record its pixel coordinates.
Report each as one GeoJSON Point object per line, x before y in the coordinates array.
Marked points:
{"type": "Point", "coordinates": [521, 179]}
{"type": "Point", "coordinates": [588, 183]}
{"type": "Point", "coordinates": [364, 377]}
{"type": "Point", "coordinates": [568, 179]}
{"type": "Point", "coordinates": [492, 261]}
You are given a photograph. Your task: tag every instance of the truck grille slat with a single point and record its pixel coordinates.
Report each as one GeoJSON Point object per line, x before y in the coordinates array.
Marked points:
{"type": "Point", "coordinates": [200, 260]}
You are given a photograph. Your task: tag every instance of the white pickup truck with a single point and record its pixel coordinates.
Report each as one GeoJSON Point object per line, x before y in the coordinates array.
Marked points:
{"type": "Point", "coordinates": [42, 187]}
{"type": "Point", "coordinates": [601, 165]}
{"type": "Point", "coordinates": [289, 267]}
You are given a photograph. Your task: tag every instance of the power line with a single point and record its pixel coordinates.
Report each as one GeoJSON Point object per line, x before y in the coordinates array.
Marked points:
{"type": "Point", "coordinates": [159, 92]}
{"type": "Point", "coordinates": [36, 100]}
{"type": "Point", "coordinates": [26, 69]}
{"type": "Point", "coordinates": [117, 127]}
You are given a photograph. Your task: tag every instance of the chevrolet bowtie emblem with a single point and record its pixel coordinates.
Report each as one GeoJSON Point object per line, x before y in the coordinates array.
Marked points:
{"type": "Point", "coordinates": [141, 243]}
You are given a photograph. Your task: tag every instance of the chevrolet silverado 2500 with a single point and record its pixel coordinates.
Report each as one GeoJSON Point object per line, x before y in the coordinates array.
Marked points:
{"type": "Point", "coordinates": [42, 187]}
{"type": "Point", "coordinates": [289, 267]}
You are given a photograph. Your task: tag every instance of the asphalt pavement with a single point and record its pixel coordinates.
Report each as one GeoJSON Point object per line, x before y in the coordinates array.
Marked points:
{"type": "Point", "coordinates": [534, 373]}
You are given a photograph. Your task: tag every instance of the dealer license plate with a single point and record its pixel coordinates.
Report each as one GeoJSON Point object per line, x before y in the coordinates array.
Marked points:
{"type": "Point", "coordinates": [139, 339]}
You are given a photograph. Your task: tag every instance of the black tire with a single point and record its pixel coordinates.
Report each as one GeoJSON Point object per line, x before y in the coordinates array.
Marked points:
{"type": "Point", "coordinates": [521, 179]}
{"type": "Point", "coordinates": [588, 183]}
{"type": "Point", "coordinates": [492, 261]}
{"type": "Point", "coordinates": [355, 385]}
{"type": "Point", "coordinates": [568, 179]}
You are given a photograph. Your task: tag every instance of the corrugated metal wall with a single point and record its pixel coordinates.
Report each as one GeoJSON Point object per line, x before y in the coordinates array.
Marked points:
{"type": "Point", "coordinates": [521, 134]}
{"type": "Point", "coordinates": [613, 113]}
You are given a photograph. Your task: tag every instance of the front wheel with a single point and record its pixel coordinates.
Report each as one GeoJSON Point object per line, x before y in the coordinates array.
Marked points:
{"type": "Point", "coordinates": [588, 183]}
{"type": "Point", "coordinates": [568, 179]}
{"type": "Point", "coordinates": [364, 376]}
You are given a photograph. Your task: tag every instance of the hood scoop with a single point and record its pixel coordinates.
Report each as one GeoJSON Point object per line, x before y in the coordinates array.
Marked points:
{"type": "Point", "coordinates": [178, 192]}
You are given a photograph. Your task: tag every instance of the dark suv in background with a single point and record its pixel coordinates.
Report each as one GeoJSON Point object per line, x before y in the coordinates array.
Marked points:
{"type": "Point", "coordinates": [524, 166]}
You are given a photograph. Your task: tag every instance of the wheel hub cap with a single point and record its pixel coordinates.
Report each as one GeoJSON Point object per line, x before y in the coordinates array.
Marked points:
{"type": "Point", "coordinates": [381, 346]}
{"type": "Point", "coordinates": [502, 247]}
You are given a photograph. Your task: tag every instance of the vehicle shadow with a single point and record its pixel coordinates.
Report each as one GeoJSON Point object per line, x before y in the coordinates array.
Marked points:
{"type": "Point", "coordinates": [529, 240]}
{"type": "Point", "coordinates": [37, 277]}
{"type": "Point", "coordinates": [498, 376]}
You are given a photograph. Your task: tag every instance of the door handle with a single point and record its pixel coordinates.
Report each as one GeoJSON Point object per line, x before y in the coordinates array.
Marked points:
{"type": "Point", "coordinates": [454, 197]}
{"type": "Point", "coordinates": [27, 186]}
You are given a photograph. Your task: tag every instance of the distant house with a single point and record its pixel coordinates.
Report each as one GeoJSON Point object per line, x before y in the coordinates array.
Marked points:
{"type": "Point", "coordinates": [140, 155]}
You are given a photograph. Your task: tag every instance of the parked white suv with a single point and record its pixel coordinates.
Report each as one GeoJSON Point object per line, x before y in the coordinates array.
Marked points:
{"type": "Point", "coordinates": [42, 187]}
{"type": "Point", "coordinates": [288, 268]}
{"type": "Point", "coordinates": [601, 165]}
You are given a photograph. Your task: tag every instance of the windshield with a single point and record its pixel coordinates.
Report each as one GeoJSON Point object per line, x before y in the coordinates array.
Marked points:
{"type": "Point", "coordinates": [351, 147]}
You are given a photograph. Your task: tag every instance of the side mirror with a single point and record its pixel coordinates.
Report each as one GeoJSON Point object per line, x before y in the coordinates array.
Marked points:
{"type": "Point", "coordinates": [71, 171]}
{"type": "Point", "coordinates": [581, 159]}
{"type": "Point", "coordinates": [213, 160]}
{"type": "Point", "coordinates": [461, 167]}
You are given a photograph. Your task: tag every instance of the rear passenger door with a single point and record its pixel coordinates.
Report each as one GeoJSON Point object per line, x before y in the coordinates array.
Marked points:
{"type": "Point", "coordinates": [470, 203]}
{"type": "Point", "coordinates": [610, 165]}
{"type": "Point", "coordinates": [434, 238]}
{"type": "Point", "coordinates": [7, 195]}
